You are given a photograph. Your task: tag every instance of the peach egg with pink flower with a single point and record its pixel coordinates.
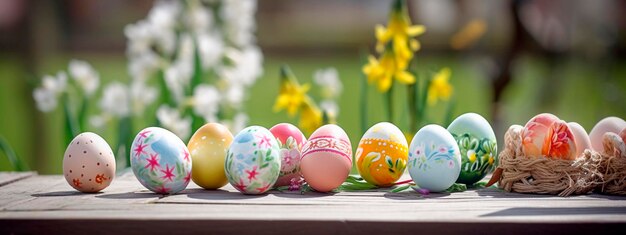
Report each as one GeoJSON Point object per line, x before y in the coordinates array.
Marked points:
{"type": "Point", "coordinates": [547, 135]}
{"type": "Point", "coordinates": [290, 141]}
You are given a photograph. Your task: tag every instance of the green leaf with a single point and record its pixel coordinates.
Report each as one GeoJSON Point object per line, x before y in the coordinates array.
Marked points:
{"type": "Point", "coordinates": [14, 159]}
{"type": "Point", "coordinates": [71, 125]}
{"type": "Point", "coordinates": [401, 188]}
{"type": "Point", "coordinates": [363, 103]}
{"type": "Point", "coordinates": [197, 68]}
{"type": "Point", "coordinates": [164, 92]}
{"type": "Point", "coordinates": [389, 102]}
{"type": "Point", "coordinates": [124, 140]}
{"type": "Point", "coordinates": [449, 113]}
{"type": "Point", "coordinates": [457, 187]}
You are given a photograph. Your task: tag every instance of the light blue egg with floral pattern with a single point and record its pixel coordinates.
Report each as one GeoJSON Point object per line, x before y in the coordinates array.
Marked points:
{"type": "Point", "coordinates": [434, 159]}
{"type": "Point", "coordinates": [160, 161]}
{"type": "Point", "coordinates": [253, 160]}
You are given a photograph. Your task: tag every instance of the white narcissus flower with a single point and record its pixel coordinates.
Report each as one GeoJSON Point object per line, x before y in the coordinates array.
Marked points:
{"type": "Point", "coordinates": [199, 19]}
{"type": "Point", "coordinates": [51, 87]}
{"type": "Point", "coordinates": [206, 100]}
{"type": "Point", "coordinates": [171, 119]}
{"type": "Point", "coordinates": [99, 121]}
{"type": "Point", "coordinates": [85, 75]}
{"type": "Point", "coordinates": [330, 107]}
{"type": "Point", "coordinates": [164, 14]}
{"type": "Point", "coordinates": [116, 100]}
{"type": "Point", "coordinates": [56, 84]}
{"type": "Point", "coordinates": [45, 98]}
{"type": "Point", "coordinates": [247, 65]}
{"type": "Point", "coordinates": [211, 48]}
{"type": "Point", "coordinates": [141, 96]}
{"type": "Point", "coordinates": [143, 66]}
{"type": "Point", "coordinates": [239, 22]}
{"type": "Point", "coordinates": [328, 80]}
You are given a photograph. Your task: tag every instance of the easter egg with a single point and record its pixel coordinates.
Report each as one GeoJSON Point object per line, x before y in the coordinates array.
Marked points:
{"type": "Point", "coordinates": [434, 158]}
{"type": "Point", "coordinates": [253, 161]}
{"type": "Point", "coordinates": [326, 158]}
{"type": "Point", "coordinates": [477, 145]}
{"type": "Point", "coordinates": [290, 140]}
{"type": "Point", "coordinates": [547, 135]}
{"type": "Point", "coordinates": [382, 154]}
{"type": "Point", "coordinates": [88, 163]}
{"type": "Point", "coordinates": [622, 134]}
{"type": "Point", "coordinates": [208, 148]}
{"type": "Point", "coordinates": [609, 124]}
{"type": "Point", "coordinates": [160, 161]}
{"type": "Point", "coordinates": [580, 137]}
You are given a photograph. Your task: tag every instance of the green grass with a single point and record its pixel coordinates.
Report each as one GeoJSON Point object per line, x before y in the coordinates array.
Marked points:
{"type": "Point", "coordinates": [582, 93]}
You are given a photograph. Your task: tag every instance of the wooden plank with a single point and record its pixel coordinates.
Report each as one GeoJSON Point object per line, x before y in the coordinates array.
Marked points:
{"type": "Point", "coordinates": [10, 177]}
{"type": "Point", "coordinates": [116, 226]}
{"type": "Point", "coordinates": [48, 202]}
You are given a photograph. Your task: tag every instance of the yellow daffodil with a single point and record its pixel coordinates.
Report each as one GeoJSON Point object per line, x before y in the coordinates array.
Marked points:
{"type": "Point", "coordinates": [439, 87]}
{"type": "Point", "coordinates": [291, 95]}
{"type": "Point", "coordinates": [310, 117]}
{"type": "Point", "coordinates": [400, 31]}
{"type": "Point", "coordinates": [384, 71]}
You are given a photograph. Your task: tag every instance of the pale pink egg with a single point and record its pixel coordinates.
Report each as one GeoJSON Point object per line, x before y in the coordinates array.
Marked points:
{"type": "Point", "coordinates": [290, 140]}
{"type": "Point", "coordinates": [623, 135]}
{"type": "Point", "coordinates": [609, 124]}
{"type": "Point", "coordinates": [547, 135]}
{"type": "Point", "coordinates": [580, 137]}
{"type": "Point", "coordinates": [326, 158]}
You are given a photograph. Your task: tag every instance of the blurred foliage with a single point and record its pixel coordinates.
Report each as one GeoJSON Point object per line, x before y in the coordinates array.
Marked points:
{"type": "Point", "coordinates": [585, 95]}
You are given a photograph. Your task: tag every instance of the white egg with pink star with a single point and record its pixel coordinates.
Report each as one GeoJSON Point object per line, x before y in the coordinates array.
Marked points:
{"type": "Point", "coordinates": [160, 161]}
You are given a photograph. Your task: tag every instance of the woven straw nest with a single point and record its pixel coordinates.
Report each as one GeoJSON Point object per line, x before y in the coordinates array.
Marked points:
{"type": "Point", "coordinates": [592, 171]}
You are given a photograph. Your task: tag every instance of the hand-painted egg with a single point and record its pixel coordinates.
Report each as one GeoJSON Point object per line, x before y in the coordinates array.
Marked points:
{"type": "Point", "coordinates": [477, 145]}
{"type": "Point", "coordinates": [160, 161]}
{"type": "Point", "coordinates": [547, 135]}
{"type": "Point", "coordinates": [434, 159]}
{"type": "Point", "coordinates": [622, 134]}
{"type": "Point", "coordinates": [580, 137]}
{"type": "Point", "coordinates": [88, 163]}
{"type": "Point", "coordinates": [253, 161]}
{"type": "Point", "coordinates": [382, 154]}
{"type": "Point", "coordinates": [609, 124]}
{"type": "Point", "coordinates": [326, 158]}
{"type": "Point", "coordinates": [290, 140]}
{"type": "Point", "coordinates": [208, 148]}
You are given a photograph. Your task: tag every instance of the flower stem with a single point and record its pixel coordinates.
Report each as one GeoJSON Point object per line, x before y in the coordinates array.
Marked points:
{"type": "Point", "coordinates": [389, 98]}
{"type": "Point", "coordinates": [14, 159]}
{"type": "Point", "coordinates": [363, 104]}
{"type": "Point", "coordinates": [71, 125]}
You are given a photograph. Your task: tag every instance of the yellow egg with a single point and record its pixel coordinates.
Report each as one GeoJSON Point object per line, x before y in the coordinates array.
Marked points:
{"type": "Point", "coordinates": [208, 148]}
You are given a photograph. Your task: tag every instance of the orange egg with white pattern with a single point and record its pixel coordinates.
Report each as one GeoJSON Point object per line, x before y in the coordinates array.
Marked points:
{"type": "Point", "coordinates": [382, 154]}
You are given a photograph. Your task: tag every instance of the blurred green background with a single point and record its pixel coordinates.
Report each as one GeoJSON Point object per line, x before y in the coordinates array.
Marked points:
{"type": "Point", "coordinates": [536, 56]}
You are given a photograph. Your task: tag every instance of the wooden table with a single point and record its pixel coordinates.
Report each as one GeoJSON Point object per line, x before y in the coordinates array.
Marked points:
{"type": "Point", "coordinates": [31, 203]}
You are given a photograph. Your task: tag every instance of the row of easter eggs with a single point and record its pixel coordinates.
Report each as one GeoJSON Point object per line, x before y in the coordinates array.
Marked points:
{"type": "Point", "coordinates": [257, 159]}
